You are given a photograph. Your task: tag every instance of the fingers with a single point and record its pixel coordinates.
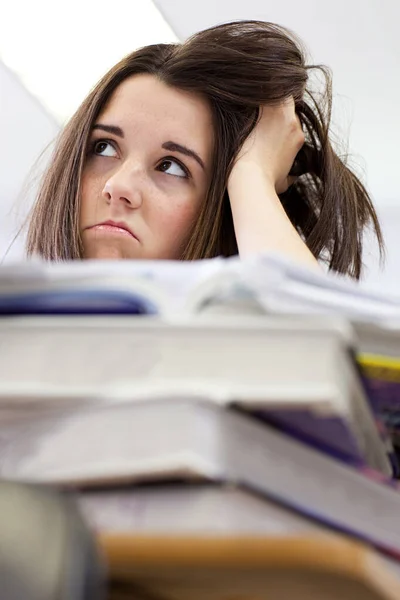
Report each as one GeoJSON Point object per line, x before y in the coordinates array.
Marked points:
{"type": "Point", "coordinates": [280, 138]}
{"type": "Point", "coordinates": [289, 104]}
{"type": "Point", "coordinates": [294, 123]}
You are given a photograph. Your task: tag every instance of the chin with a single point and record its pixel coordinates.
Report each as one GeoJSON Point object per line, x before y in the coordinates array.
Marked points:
{"type": "Point", "coordinates": [108, 253]}
{"type": "Point", "coordinates": [103, 247]}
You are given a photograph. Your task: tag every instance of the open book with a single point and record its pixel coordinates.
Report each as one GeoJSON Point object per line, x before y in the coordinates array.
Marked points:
{"type": "Point", "coordinates": [176, 288]}
{"type": "Point", "coordinates": [111, 287]}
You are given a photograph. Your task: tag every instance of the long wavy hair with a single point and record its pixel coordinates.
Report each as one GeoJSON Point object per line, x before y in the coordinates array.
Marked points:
{"type": "Point", "coordinates": [237, 67]}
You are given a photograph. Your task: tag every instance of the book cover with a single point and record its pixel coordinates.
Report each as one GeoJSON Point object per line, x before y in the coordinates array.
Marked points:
{"type": "Point", "coordinates": [382, 380]}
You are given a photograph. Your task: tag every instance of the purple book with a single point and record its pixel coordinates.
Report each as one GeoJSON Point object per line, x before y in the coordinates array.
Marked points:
{"type": "Point", "coordinates": [328, 434]}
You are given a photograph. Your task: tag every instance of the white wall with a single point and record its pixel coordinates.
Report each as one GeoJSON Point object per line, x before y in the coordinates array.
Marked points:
{"type": "Point", "coordinates": [26, 129]}
{"type": "Point", "coordinates": [386, 279]}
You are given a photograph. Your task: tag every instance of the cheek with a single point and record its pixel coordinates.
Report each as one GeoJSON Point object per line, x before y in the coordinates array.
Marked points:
{"type": "Point", "coordinates": [178, 218]}
{"type": "Point", "coordinates": [91, 188]}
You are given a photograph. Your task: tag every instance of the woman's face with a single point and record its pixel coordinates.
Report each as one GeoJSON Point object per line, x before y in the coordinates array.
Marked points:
{"type": "Point", "coordinates": [147, 172]}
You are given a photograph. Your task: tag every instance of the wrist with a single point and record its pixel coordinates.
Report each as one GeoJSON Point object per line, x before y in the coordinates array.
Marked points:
{"type": "Point", "coordinates": [247, 176]}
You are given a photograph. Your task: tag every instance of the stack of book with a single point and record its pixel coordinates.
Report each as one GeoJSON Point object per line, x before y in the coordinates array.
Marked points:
{"type": "Point", "coordinates": [222, 397]}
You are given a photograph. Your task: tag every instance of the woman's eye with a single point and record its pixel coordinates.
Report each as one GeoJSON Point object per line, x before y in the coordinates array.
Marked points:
{"type": "Point", "coordinates": [103, 148]}
{"type": "Point", "coordinates": [172, 167]}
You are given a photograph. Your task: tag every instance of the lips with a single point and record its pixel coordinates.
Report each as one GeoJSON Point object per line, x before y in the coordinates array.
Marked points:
{"type": "Point", "coordinates": [117, 227]}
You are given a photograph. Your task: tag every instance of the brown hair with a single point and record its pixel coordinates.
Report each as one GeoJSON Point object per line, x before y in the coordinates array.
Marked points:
{"type": "Point", "coordinates": [237, 67]}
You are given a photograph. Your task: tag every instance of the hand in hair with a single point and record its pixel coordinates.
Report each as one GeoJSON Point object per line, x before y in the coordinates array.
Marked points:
{"type": "Point", "coordinates": [260, 173]}
{"type": "Point", "coordinates": [274, 144]}
{"type": "Point", "coordinates": [236, 67]}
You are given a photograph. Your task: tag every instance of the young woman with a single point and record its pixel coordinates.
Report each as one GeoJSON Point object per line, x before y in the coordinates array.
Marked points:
{"type": "Point", "coordinates": [211, 147]}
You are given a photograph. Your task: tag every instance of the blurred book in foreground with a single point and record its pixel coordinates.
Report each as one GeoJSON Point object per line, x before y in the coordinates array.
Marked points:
{"type": "Point", "coordinates": [199, 441]}
{"type": "Point", "coordinates": [305, 568]}
{"type": "Point", "coordinates": [266, 283]}
{"type": "Point", "coordinates": [298, 374]}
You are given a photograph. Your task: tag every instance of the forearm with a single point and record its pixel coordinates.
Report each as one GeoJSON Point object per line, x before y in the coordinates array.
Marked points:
{"type": "Point", "coordinates": [260, 222]}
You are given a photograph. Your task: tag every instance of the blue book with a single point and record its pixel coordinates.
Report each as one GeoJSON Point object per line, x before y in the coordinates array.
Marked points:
{"type": "Point", "coordinates": [92, 301]}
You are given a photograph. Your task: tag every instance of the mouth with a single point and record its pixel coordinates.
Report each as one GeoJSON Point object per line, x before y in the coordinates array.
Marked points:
{"type": "Point", "coordinates": [114, 227]}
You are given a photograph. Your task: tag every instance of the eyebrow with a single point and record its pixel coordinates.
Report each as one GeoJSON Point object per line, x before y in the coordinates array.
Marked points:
{"type": "Point", "coordinates": [110, 129]}
{"type": "Point", "coordinates": [172, 146]}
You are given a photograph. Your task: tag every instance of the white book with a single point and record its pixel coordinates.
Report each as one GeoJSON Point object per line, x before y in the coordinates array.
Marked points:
{"type": "Point", "coordinates": [298, 370]}
{"type": "Point", "coordinates": [284, 286]}
{"type": "Point", "coordinates": [382, 339]}
{"type": "Point", "coordinates": [199, 441]}
{"type": "Point", "coordinates": [190, 509]}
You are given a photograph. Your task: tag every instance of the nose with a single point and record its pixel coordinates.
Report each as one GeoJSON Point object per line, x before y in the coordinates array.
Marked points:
{"type": "Point", "coordinates": [124, 186]}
